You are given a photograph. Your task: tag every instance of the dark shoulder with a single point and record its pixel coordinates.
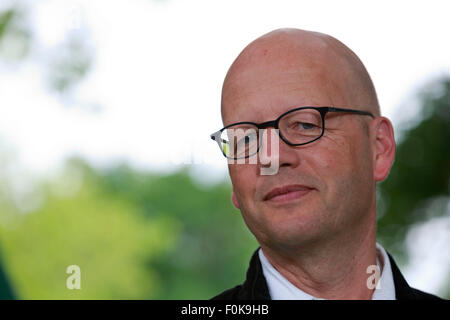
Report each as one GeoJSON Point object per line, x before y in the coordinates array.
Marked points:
{"type": "Point", "coordinates": [420, 295]}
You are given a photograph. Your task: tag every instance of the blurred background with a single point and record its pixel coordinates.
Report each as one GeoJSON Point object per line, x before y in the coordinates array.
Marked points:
{"type": "Point", "coordinates": [106, 162]}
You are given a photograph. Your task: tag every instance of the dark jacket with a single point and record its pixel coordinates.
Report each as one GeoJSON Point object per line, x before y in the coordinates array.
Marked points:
{"type": "Point", "coordinates": [255, 286]}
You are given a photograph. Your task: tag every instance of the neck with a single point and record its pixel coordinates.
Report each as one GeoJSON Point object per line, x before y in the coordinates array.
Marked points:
{"type": "Point", "coordinates": [332, 268]}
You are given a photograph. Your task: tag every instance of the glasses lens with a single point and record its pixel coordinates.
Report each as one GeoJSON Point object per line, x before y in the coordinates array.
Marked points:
{"type": "Point", "coordinates": [301, 126]}
{"type": "Point", "coordinates": [239, 141]}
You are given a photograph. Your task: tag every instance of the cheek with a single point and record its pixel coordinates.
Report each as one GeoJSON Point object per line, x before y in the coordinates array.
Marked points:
{"type": "Point", "coordinates": [344, 169]}
{"type": "Point", "coordinates": [334, 165]}
{"type": "Point", "coordinates": [243, 178]}
{"type": "Point", "coordinates": [329, 161]}
{"type": "Point", "coordinates": [341, 156]}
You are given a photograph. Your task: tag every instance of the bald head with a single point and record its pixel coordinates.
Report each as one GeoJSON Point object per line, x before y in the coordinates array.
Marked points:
{"type": "Point", "coordinates": [314, 61]}
{"type": "Point", "coordinates": [321, 201]}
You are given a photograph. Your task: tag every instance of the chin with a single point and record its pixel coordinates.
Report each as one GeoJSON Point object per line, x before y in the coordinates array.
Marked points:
{"type": "Point", "coordinates": [293, 232]}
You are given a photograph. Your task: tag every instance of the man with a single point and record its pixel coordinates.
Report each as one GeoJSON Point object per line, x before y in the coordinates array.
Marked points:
{"type": "Point", "coordinates": [314, 216]}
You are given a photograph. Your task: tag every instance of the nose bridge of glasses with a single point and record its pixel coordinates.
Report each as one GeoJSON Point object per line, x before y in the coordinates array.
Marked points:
{"type": "Point", "coordinates": [267, 124]}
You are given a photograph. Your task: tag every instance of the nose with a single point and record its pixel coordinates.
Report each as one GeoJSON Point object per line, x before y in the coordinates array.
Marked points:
{"type": "Point", "coordinates": [273, 154]}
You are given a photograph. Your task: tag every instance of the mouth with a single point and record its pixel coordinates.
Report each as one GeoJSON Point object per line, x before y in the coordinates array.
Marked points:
{"type": "Point", "coordinates": [287, 193]}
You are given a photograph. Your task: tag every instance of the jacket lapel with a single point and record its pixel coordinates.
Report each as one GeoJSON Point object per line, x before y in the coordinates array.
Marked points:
{"type": "Point", "coordinates": [402, 290]}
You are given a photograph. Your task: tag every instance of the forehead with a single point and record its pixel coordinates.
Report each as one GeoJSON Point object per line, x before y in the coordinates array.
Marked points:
{"type": "Point", "coordinates": [262, 92]}
{"type": "Point", "coordinates": [282, 71]}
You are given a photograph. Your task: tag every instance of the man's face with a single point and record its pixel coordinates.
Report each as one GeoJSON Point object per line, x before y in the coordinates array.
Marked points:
{"type": "Point", "coordinates": [336, 169]}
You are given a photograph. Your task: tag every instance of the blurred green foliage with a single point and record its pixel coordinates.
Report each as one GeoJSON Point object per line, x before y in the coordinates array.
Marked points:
{"type": "Point", "coordinates": [14, 36]}
{"type": "Point", "coordinates": [69, 65]}
{"type": "Point", "coordinates": [5, 20]}
{"type": "Point", "coordinates": [109, 239]}
{"type": "Point", "coordinates": [214, 244]}
{"type": "Point", "coordinates": [134, 235]}
{"type": "Point", "coordinates": [6, 291]}
{"type": "Point", "coordinates": [64, 66]}
{"type": "Point", "coordinates": [420, 176]}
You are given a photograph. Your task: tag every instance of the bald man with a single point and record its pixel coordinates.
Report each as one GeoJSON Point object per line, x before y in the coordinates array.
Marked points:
{"type": "Point", "coordinates": [314, 216]}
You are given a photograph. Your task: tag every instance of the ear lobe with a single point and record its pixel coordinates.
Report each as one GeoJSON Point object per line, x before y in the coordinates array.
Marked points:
{"type": "Point", "coordinates": [234, 200]}
{"type": "Point", "coordinates": [384, 149]}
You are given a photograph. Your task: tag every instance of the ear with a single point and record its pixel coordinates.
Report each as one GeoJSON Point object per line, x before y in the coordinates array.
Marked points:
{"type": "Point", "coordinates": [384, 152]}
{"type": "Point", "coordinates": [234, 200]}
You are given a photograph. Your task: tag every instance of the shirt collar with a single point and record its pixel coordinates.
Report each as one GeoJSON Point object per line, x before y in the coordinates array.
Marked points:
{"type": "Point", "coordinates": [281, 289]}
{"type": "Point", "coordinates": [386, 288]}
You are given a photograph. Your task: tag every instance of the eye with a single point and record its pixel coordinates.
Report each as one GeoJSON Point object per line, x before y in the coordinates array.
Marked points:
{"type": "Point", "coordinates": [305, 125]}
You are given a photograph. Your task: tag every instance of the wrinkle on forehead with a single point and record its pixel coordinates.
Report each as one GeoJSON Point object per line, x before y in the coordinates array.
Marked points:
{"type": "Point", "coordinates": [302, 55]}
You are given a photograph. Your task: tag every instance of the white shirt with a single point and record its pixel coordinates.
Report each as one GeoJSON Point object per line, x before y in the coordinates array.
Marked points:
{"type": "Point", "coordinates": [281, 289]}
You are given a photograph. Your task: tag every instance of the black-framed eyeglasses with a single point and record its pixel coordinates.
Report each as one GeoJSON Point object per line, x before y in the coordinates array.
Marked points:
{"type": "Point", "coordinates": [296, 127]}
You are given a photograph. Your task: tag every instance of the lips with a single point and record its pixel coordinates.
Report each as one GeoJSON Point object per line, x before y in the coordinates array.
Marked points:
{"type": "Point", "coordinates": [286, 193]}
